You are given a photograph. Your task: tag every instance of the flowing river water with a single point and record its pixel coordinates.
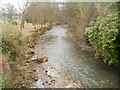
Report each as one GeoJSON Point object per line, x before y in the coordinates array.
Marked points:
{"type": "Point", "coordinates": [84, 68]}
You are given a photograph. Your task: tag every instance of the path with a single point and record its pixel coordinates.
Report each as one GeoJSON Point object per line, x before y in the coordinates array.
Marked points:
{"type": "Point", "coordinates": [28, 27]}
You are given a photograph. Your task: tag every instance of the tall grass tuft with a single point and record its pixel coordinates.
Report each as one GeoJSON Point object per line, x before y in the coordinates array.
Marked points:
{"type": "Point", "coordinates": [10, 40]}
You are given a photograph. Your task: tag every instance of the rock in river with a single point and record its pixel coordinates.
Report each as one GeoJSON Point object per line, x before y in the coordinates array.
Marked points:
{"type": "Point", "coordinates": [41, 60]}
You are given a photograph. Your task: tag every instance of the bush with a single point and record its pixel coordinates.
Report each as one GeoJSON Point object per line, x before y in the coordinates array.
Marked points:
{"type": "Point", "coordinates": [14, 22]}
{"type": "Point", "coordinates": [102, 35]}
{"type": "Point", "coordinates": [11, 43]}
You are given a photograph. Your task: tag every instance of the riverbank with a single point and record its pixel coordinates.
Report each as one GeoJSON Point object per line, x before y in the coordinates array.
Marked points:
{"type": "Point", "coordinates": [25, 75]}
{"type": "Point", "coordinates": [17, 73]}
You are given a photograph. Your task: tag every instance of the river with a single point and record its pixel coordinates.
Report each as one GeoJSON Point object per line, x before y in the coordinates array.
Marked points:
{"type": "Point", "coordinates": [85, 69]}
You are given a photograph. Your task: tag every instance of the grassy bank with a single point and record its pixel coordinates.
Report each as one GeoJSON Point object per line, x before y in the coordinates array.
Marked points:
{"type": "Point", "coordinates": [11, 48]}
{"type": "Point", "coordinates": [16, 45]}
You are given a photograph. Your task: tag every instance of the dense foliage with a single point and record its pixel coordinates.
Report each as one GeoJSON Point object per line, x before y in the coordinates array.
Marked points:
{"type": "Point", "coordinates": [11, 42]}
{"type": "Point", "coordinates": [102, 35]}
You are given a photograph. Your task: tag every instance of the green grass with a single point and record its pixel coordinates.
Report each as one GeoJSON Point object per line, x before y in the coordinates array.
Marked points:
{"type": "Point", "coordinates": [11, 43]}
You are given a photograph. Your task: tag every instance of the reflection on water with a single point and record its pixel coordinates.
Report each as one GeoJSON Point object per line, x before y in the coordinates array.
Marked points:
{"type": "Point", "coordinates": [39, 84]}
{"type": "Point", "coordinates": [83, 68]}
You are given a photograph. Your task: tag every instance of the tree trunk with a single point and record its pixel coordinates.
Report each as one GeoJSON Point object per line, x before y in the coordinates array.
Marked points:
{"type": "Point", "coordinates": [22, 24]}
{"type": "Point", "coordinates": [22, 21]}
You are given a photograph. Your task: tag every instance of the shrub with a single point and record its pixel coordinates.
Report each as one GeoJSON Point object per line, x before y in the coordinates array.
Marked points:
{"type": "Point", "coordinates": [11, 43]}
{"type": "Point", "coordinates": [14, 22]}
{"type": "Point", "coordinates": [102, 35]}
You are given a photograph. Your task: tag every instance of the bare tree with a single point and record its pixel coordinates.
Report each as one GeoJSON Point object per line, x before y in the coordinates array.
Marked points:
{"type": "Point", "coordinates": [9, 11]}
{"type": "Point", "coordinates": [23, 10]}
{"type": "Point", "coordinates": [40, 13]}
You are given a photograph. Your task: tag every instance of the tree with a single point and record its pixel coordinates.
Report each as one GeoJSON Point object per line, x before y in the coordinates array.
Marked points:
{"type": "Point", "coordinates": [40, 13]}
{"type": "Point", "coordinates": [9, 11]}
{"type": "Point", "coordinates": [23, 13]}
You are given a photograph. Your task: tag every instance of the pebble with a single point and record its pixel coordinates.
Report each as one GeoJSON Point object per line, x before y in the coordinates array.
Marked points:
{"type": "Point", "coordinates": [46, 71]}
{"type": "Point", "coordinates": [34, 70]}
{"type": "Point", "coordinates": [23, 77]}
{"type": "Point", "coordinates": [36, 79]}
{"type": "Point", "coordinates": [46, 82]}
{"type": "Point", "coordinates": [52, 80]}
{"type": "Point", "coordinates": [28, 61]}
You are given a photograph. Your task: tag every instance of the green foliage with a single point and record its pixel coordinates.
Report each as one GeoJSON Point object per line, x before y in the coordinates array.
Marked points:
{"type": "Point", "coordinates": [13, 22]}
{"type": "Point", "coordinates": [102, 35]}
{"type": "Point", "coordinates": [1, 82]}
{"type": "Point", "coordinates": [11, 42]}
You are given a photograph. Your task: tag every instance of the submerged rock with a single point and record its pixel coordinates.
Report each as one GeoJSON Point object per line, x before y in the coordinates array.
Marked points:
{"type": "Point", "coordinates": [34, 70]}
{"type": "Point", "coordinates": [31, 46]}
{"type": "Point", "coordinates": [28, 61]}
{"type": "Point", "coordinates": [36, 79]}
{"type": "Point", "coordinates": [28, 56]}
{"type": "Point", "coordinates": [30, 52]}
{"type": "Point", "coordinates": [52, 80]}
{"type": "Point", "coordinates": [41, 60]}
